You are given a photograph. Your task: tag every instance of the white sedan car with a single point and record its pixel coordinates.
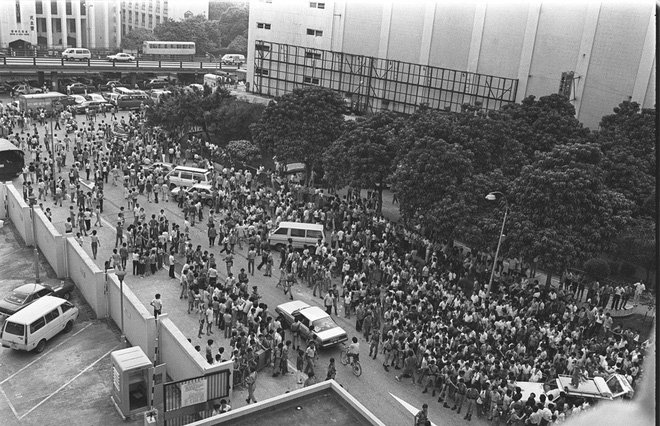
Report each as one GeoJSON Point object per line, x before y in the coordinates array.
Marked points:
{"type": "Point", "coordinates": [315, 323]}
{"type": "Point", "coordinates": [121, 57]}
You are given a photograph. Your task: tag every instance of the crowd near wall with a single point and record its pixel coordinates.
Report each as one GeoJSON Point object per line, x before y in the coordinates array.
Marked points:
{"type": "Point", "coordinates": [102, 291]}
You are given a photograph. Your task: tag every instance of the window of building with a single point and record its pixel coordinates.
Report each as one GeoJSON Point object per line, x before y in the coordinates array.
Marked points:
{"type": "Point", "coordinates": [57, 25]}
{"type": "Point", "coordinates": [260, 71]}
{"type": "Point", "coordinates": [18, 12]}
{"type": "Point", "coordinates": [83, 7]}
{"type": "Point", "coordinates": [263, 25]}
{"type": "Point", "coordinates": [566, 84]}
{"type": "Point", "coordinates": [262, 47]}
{"type": "Point", "coordinates": [144, 18]}
{"type": "Point", "coordinates": [313, 32]}
{"type": "Point", "coordinates": [53, 7]}
{"type": "Point", "coordinates": [311, 80]}
{"type": "Point", "coordinates": [157, 20]}
{"type": "Point", "coordinates": [41, 25]}
{"type": "Point", "coordinates": [71, 25]}
{"type": "Point", "coordinates": [68, 9]}
{"type": "Point", "coordinates": [151, 21]}
{"type": "Point", "coordinates": [312, 55]}
{"type": "Point", "coordinates": [316, 5]}
{"type": "Point", "coordinates": [39, 7]}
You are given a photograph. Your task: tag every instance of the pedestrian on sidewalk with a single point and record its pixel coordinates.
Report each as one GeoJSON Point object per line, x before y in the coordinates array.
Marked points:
{"type": "Point", "coordinates": [171, 263]}
{"type": "Point", "coordinates": [209, 319]}
{"type": "Point", "coordinates": [332, 370]}
{"type": "Point", "coordinates": [251, 382]}
{"type": "Point", "coordinates": [201, 318]}
{"type": "Point", "coordinates": [95, 243]}
{"type": "Point", "coordinates": [157, 304]}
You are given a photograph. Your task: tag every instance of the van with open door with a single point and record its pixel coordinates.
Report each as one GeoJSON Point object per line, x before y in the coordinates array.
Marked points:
{"type": "Point", "coordinates": [32, 327]}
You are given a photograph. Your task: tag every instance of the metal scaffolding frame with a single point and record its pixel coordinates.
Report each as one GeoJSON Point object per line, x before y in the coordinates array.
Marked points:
{"type": "Point", "coordinates": [373, 84]}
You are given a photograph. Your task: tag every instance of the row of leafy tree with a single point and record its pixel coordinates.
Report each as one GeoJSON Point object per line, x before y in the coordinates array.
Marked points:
{"type": "Point", "coordinates": [226, 30]}
{"type": "Point", "coordinates": [572, 193]}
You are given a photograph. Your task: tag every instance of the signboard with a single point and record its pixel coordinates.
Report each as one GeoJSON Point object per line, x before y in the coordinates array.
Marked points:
{"type": "Point", "coordinates": [194, 392]}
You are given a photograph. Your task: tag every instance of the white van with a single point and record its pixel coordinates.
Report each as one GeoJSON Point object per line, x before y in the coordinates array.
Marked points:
{"type": "Point", "coordinates": [31, 327]}
{"type": "Point", "coordinates": [187, 177]}
{"type": "Point", "coordinates": [233, 59]}
{"type": "Point", "coordinates": [71, 54]}
{"type": "Point", "coordinates": [157, 94]}
{"type": "Point", "coordinates": [301, 234]}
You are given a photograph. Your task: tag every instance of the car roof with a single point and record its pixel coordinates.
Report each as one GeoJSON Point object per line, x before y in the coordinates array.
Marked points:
{"type": "Point", "coordinates": [38, 308]}
{"type": "Point", "coordinates": [29, 288]}
{"type": "Point", "coordinates": [301, 225]}
{"type": "Point", "coordinates": [314, 313]}
{"type": "Point", "coordinates": [202, 186]}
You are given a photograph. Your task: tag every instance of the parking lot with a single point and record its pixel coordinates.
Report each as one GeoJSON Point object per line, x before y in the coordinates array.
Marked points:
{"type": "Point", "coordinates": [70, 382]}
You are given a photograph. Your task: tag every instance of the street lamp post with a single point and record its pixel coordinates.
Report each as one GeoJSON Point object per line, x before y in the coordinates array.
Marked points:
{"type": "Point", "coordinates": [121, 273]}
{"type": "Point", "coordinates": [33, 200]}
{"type": "Point", "coordinates": [493, 196]}
{"type": "Point", "coordinates": [213, 58]}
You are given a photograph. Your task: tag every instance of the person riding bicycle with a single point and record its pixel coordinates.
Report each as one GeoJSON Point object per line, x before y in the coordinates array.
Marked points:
{"type": "Point", "coordinates": [354, 351]}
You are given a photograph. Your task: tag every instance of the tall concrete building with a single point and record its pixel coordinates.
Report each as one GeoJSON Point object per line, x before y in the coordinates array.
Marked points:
{"type": "Point", "coordinates": [395, 55]}
{"type": "Point", "coordinates": [58, 24]}
{"type": "Point", "coordinates": [149, 13]}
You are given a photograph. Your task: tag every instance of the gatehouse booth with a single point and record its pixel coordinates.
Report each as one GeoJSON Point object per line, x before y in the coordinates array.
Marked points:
{"type": "Point", "coordinates": [132, 373]}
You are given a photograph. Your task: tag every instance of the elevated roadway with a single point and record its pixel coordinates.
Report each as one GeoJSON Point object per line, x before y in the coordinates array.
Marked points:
{"type": "Point", "coordinates": [20, 65]}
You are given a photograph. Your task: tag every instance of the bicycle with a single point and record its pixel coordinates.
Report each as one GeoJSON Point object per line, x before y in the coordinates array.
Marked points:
{"type": "Point", "coordinates": [357, 368]}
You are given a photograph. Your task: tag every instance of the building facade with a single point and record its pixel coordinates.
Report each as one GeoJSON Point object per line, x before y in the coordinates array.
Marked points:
{"type": "Point", "coordinates": [396, 55]}
{"type": "Point", "coordinates": [149, 13]}
{"type": "Point", "coordinates": [58, 24]}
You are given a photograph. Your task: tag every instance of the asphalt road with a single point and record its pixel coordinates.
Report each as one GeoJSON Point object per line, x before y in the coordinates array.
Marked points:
{"type": "Point", "coordinates": [372, 388]}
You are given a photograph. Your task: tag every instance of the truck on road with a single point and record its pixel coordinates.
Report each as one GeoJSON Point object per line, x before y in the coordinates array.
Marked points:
{"type": "Point", "coordinates": [47, 101]}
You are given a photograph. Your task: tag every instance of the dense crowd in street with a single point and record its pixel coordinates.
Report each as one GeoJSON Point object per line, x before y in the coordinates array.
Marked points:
{"type": "Point", "coordinates": [421, 306]}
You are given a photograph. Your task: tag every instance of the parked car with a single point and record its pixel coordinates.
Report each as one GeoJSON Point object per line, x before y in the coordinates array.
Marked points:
{"type": "Point", "coordinates": [22, 296]}
{"type": "Point", "coordinates": [111, 85]}
{"type": "Point", "coordinates": [156, 83]}
{"type": "Point", "coordinates": [91, 105]}
{"type": "Point", "coordinates": [315, 323]}
{"type": "Point", "coordinates": [204, 190]}
{"type": "Point", "coordinates": [95, 97]}
{"type": "Point", "coordinates": [73, 100]}
{"type": "Point", "coordinates": [26, 89]}
{"type": "Point", "coordinates": [78, 87]}
{"type": "Point", "coordinates": [148, 167]}
{"type": "Point", "coordinates": [233, 59]}
{"type": "Point", "coordinates": [120, 57]}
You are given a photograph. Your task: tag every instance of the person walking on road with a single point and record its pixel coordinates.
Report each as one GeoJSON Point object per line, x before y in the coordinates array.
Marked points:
{"type": "Point", "coordinates": [95, 244]}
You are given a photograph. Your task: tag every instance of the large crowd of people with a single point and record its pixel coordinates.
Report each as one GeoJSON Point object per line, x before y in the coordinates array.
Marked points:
{"type": "Point", "coordinates": [420, 305]}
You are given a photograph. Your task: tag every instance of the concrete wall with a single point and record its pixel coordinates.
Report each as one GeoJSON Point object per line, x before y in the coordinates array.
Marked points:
{"type": "Point", "coordinates": [3, 201]}
{"type": "Point", "coordinates": [89, 279]}
{"type": "Point", "coordinates": [355, 28]}
{"type": "Point", "coordinates": [19, 213]}
{"type": "Point", "coordinates": [182, 360]}
{"type": "Point", "coordinates": [406, 31]}
{"type": "Point", "coordinates": [50, 243]}
{"type": "Point", "coordinates": [139, 323]}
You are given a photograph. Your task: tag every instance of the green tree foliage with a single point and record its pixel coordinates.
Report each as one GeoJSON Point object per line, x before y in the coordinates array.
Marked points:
{"type": "Point", "coordinates": [234, 22]}
{"type": "Point", "coordinates": [541, 125]}
{"type": "Point", "coordinates": [597, 269]}
{"type": "Point", "coordinates": [134, 39]}
{"type": "Point", "coordinates": [637, 244]}
{"type": "Point", "coordinates": [430, 180]}
{"type": "Point", "coordinates": [238, 45]}
{"type": "Point", "coordinates": [217, 8]}
{"type": "Point", "coordinates": [243, 152]}
{"type": "Point", "coordinates": [300, 126]}
{"type": "Point", "coordinates": [363, 157]}
{"type": "Point", "coordinates": [562, 211]}
{"type": "Point", "coordinates": [233, 118]}
{"type": "Point", "coordinates": [628, 141]}
{"type": "Point", "coordinates": [179, 113]}
{"type": "Point", "coordinates": [206, 34]}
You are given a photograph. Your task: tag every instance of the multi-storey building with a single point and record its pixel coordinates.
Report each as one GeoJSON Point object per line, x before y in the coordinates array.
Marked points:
{"type": "Point", "coordinates": [58, 24]}
{"type": "Point", "coordinates": [396, 55]}
{"type": "Point", "coordinates": [149, 13]}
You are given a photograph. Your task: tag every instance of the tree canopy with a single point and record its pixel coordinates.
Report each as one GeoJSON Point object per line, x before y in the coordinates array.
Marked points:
{"type": "Point", "coordinates": [206, 34]}
{"type": "Point", "coordinates": [364, 155]}
{"type": "Point", "coordinates": [300, 126]}
{"type": "Point", "coordinates": [135, 38]}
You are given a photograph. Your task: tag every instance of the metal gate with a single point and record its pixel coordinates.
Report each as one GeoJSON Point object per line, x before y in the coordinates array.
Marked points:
{"type": "Point", "coordinates": [187, 401]}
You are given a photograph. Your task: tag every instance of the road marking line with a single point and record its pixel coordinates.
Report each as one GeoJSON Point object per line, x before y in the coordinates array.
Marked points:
{"type": "Point", "coordinates": [9, 402]}
{"type": "Point", "coordinates": [45, 353]}
{"type": "Point", "coordinates": [67, 383]}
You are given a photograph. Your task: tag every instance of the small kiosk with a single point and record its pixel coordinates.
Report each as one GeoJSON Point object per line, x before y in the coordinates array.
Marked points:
{"type": "Point", "coordinates": [132, 373]}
